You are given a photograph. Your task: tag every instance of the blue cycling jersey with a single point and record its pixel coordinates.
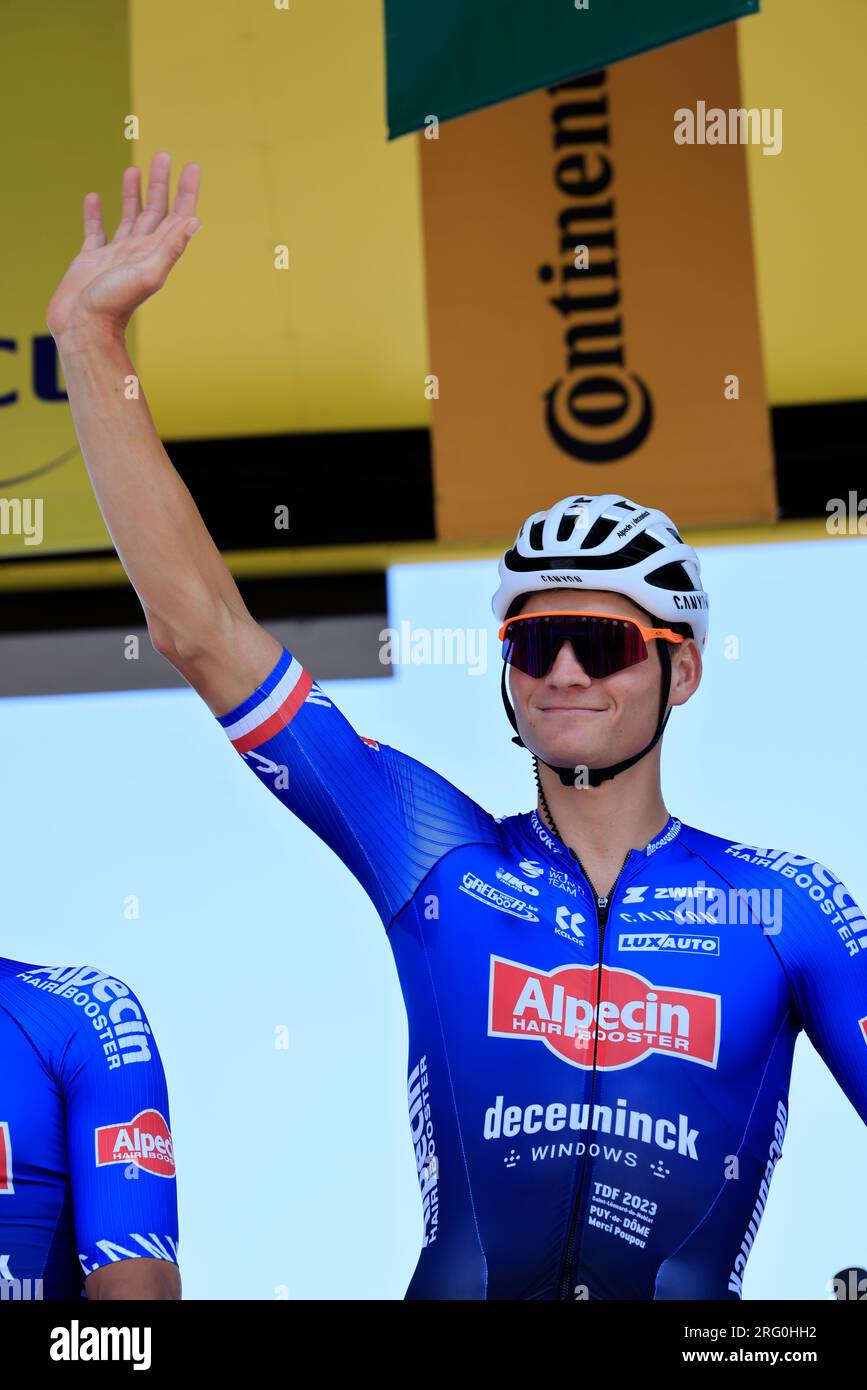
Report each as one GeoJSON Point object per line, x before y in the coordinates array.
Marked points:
{"type": "Point", "coordinates": [598, 1089]}
{"type": "Point", "coordinates": [87, 1173]}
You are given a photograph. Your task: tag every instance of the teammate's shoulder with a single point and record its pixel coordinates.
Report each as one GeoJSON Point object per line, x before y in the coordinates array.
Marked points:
{"type": "Point", "coordinates": [69, 980]}
{"type": "Point", "coordinates": [65, 1004]}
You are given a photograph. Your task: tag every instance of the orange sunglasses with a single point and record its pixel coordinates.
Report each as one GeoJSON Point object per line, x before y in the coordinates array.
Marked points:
{"type": "Point", "coordinates": [602, 642]}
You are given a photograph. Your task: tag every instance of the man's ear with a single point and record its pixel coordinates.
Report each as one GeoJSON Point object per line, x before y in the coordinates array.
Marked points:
{"type": "Point", "coordinates": [687, 655]}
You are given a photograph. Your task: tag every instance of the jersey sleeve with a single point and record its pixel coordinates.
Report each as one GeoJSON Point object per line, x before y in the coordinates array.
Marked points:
{"type": "Point", "coordinates": [387, 816]}
{"type": "Point", "coordinates": [119, 1143]}
{"type": "Point", "coordinates": [825, 951]}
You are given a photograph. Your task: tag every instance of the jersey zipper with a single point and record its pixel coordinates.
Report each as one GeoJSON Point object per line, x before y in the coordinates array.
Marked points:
{"type": "Point", "coordinates": [603, 907]}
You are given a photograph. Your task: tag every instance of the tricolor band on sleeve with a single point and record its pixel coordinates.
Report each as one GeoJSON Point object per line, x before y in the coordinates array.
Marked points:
{"type": "Point", "coordinates": [271, 707]}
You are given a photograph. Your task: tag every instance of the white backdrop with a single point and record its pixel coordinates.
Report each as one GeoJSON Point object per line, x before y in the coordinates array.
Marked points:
{"type": "Point", "coordinates": [296, 1174]}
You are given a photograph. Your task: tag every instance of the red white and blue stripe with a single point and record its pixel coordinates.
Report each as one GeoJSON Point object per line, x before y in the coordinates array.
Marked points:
{"type": "Point", "coordinates": [271, 707]}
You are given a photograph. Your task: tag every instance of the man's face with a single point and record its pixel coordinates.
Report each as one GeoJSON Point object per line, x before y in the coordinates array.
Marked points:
{"type": "Point", "coordinates": [569, 718]}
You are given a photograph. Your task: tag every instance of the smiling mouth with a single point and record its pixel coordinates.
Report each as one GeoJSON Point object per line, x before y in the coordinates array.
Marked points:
{"type": "Point", "coordinates": [569, 709]}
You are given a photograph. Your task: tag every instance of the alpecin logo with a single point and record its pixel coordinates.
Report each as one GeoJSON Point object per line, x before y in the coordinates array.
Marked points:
{"type": "Point", "coordinates": [145, 1142]}
{"type": "Point", "coordinates": [633, 1020]}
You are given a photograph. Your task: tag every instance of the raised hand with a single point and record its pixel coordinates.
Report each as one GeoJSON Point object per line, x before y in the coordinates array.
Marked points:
{"type": "Point", "coordinates": [107, 281]}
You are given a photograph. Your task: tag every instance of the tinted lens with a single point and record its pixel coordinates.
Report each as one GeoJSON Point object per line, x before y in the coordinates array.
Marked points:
{"type": "Point", "coordinates": [602, 645]}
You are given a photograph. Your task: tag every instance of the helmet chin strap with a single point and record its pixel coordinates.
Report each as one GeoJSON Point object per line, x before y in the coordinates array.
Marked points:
{"type": "Point", "coordinates": [596, 775]}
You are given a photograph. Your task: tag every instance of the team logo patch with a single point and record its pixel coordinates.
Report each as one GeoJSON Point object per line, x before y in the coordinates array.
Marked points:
{"type": "Point", "coordinates": [486, 893]}
{"type": "Point", "coordinates": [633, 1020]}
{"type": "Point", "coordinates": [512, 881]}
{"type": "Point", "coordinates": [558, 878]}
{"type": "Point", "coordinates": [531, 868]}
{"type": "Point", "coordinates": [568, 923]}
{"type": "Point", "coordinates": [144, 1141]}
{"type": "Point", "coordinates": [6, 1184]}
{"type": "Point", "coordinates": [668, 941]}
{"type": "Point", "coordinates": [862, 1024]}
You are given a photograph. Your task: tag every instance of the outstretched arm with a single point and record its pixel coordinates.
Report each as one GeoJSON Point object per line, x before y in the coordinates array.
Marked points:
{"type": "Point", "coordinates": [195, 615]}
{"type": "Point", "coordinates": [388, 817]}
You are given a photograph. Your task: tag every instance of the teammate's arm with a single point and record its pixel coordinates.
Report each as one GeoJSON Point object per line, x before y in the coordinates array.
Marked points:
{"type": "Point", "coordinates": [120, 1152]}
{"type": "Point", "coordinates": [144, 1278]}
{"type": "Point", "coordinates": [195, 614]}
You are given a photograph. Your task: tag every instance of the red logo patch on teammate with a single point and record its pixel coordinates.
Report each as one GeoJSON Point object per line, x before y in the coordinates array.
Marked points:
{"type": "Point", "coordinates": [371, 742]}
{"type": "Point", "coordinates": [862, 1024]}
{"type": "Point", "coordinates": [6, 1184]}
{"type": "Point", "coordinates": [144, 1141]}
{"type": "Point", "coordinates": [634, 1018]}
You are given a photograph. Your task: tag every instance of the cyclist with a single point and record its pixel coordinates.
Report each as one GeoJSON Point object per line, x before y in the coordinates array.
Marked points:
{"type": "Point", "coordinates": [603, 1002]}
{"type": "Point", "coordinates": [87, 1173]}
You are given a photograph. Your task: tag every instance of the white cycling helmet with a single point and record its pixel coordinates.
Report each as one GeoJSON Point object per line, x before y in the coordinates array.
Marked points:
{"type": "Point", "coordinates": [607, 542]}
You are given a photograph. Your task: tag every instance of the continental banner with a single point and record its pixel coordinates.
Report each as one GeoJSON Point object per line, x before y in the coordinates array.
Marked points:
{"type": "Point", "coordinates": [591, 299]}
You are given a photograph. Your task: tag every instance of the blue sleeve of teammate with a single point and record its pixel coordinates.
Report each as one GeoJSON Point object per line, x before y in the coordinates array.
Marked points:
{"type": "Point", "coordinates": [121, 1161]}
{"type": "Point", "coordinates": [826, 957]}
{"type": "Point", "coordinates": [388, 817]}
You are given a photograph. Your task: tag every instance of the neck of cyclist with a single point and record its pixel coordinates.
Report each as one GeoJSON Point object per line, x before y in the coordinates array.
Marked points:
{"type": "Point", "coordinates": [601, 824]}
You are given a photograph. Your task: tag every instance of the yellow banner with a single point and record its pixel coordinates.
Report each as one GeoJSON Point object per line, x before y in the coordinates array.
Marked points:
{"type": "Point", "coordinates": [283, 109]}
{"type": "Point", "coordinates": [63, 100]}
{"type": "Point", "coordinates": [809, 203]}
{"type": "Point", "coordinates": [591, 301]}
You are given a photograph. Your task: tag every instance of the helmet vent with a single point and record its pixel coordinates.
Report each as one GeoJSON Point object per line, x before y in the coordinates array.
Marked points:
{"type": "Point", "coordinates": [599, 532]}
{"type": "Point", "coordinates": [671, 577]}
{"type": "Point", "coordinates": [639, 547]}
{"type": "Point", "coordinates": [535, 539]}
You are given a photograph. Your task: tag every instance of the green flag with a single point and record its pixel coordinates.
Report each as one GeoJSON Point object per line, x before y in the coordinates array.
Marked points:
{"type": "Point", "coordinates": [447, 57]}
